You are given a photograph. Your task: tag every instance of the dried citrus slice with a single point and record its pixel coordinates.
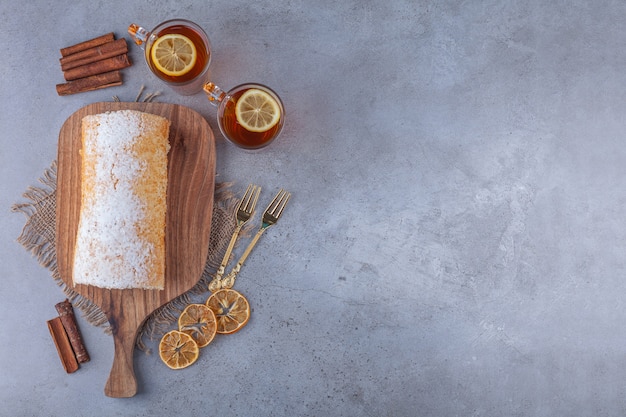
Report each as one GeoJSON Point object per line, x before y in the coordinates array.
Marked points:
{"type": "Point", "coordinates": [257, 111]}
{"type": "Point", "coordinates": [173, 54]}
{"type": "Point", "coordinates": [231, 309]}
{"type": "Point", "coordinates": [198, 321]}
{"type": "Point", "coordinates": [178, 350]}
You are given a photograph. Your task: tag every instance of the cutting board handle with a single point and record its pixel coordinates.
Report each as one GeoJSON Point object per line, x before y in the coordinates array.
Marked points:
{"type": "Point", "coordinates": [122, 382]}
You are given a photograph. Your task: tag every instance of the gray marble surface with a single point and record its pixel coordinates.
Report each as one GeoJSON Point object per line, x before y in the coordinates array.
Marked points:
{"type": "Point", "coordinates": [455, 244]}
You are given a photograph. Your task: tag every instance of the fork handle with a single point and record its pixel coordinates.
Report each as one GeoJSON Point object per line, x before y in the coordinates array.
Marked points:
{"type": "Point", "coordinates": [215, 283]}
{"type": "Point", "coordinates": [229, 249]}
{"type": "Point", "coordinates": [229, 281]}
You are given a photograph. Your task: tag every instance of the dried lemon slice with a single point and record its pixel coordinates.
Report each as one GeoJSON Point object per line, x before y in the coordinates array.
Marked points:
{"type": "Point", "coordinates": [232, 310]}
{"type": "Point", "coordinates": [257, 111]}
{"type": "Point", "coordinates": [198, 321]}
{"type": "Point", "coordinates": [178, 350]}
{"type": "Point", "coordinates": [173, 54]}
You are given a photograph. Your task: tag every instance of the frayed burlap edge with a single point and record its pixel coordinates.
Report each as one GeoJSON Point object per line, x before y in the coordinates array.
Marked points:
{"type": "Point", "coordinates": [38, 237]}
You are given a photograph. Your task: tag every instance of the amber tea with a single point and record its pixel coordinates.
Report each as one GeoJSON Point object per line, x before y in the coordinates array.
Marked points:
{"type": "Point", "coordinates": [201, 60]}
{"type": "Point", "coordinates": [176, 51]}
{"type": "Point", "coordinates": [237, 132]}
{"type": "Point", "coordinates": [250, 115]}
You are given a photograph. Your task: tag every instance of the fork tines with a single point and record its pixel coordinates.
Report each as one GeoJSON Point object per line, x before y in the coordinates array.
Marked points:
{"type": "Point", "coordinates": [250, 198]}
{"type": "Point", "coordinates": [278, 204]}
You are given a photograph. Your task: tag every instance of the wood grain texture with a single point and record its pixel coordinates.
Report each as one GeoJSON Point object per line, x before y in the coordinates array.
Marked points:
{"type": "Point", "coordinates": [191, 183]}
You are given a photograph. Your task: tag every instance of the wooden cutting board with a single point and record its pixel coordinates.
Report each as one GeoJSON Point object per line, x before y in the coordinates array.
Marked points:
{"type": "Point", "coordinates": [191, 183]}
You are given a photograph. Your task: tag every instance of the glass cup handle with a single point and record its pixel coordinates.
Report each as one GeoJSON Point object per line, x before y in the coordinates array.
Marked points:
{"type": "Point", "coordinates": [139, 34]}
{"type": "Point", "coordinates": [215, 94]}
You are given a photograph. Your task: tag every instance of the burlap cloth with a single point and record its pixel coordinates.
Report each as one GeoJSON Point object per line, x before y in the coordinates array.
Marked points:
{"type": "Point", "coordinates": [38, 237]}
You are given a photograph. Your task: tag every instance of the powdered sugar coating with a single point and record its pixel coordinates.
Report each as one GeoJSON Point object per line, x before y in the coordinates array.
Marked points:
{"type": "Point", "coordinates": [120, 239]}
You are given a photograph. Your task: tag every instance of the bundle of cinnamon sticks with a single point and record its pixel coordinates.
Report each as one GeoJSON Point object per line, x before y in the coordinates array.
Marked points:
{"type": "Point", "coordinates": [93, 64]}
{"type": "Point", "coordinates": [67, 338]}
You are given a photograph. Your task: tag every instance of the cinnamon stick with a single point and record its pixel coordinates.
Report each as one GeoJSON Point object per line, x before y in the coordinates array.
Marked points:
{"type": "Point", "coordinates": [66, 314]}
{"type": "Point", "coordinates": [87, 44]}
{"type": "Point", "coordinates": [94, 82]}
{"type": "Point", "coordinates": [97, 53]}
{"type": "Point", "coordinates": [62, 343]}
{"type": "Point", "coordinates": [99, 67]}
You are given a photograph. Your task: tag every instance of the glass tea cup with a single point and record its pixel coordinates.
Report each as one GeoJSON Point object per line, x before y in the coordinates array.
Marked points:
{"type": "Point", "coordinates": [194, 73]}
{"type": "Point", "coordinates": [236, 120]}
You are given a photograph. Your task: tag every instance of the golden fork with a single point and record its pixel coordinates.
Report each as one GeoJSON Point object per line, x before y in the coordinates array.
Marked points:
{"type": "Point", "coordinates": [270, 217]}
{"type": "Point", "coordinates": [244, 212]}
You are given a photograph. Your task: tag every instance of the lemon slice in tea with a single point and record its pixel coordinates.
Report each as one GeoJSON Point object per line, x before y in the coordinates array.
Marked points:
{"type": "Point", "coordinates": [232, 310]}
{"type": "Point", "coordinates": [178, 350]}
{"type": "Point", "coordinates": [257, 110]}
{"type": "Point", "coordinates": [173, 54]}
{"type": "Point", "coordinates": [198, 321]}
